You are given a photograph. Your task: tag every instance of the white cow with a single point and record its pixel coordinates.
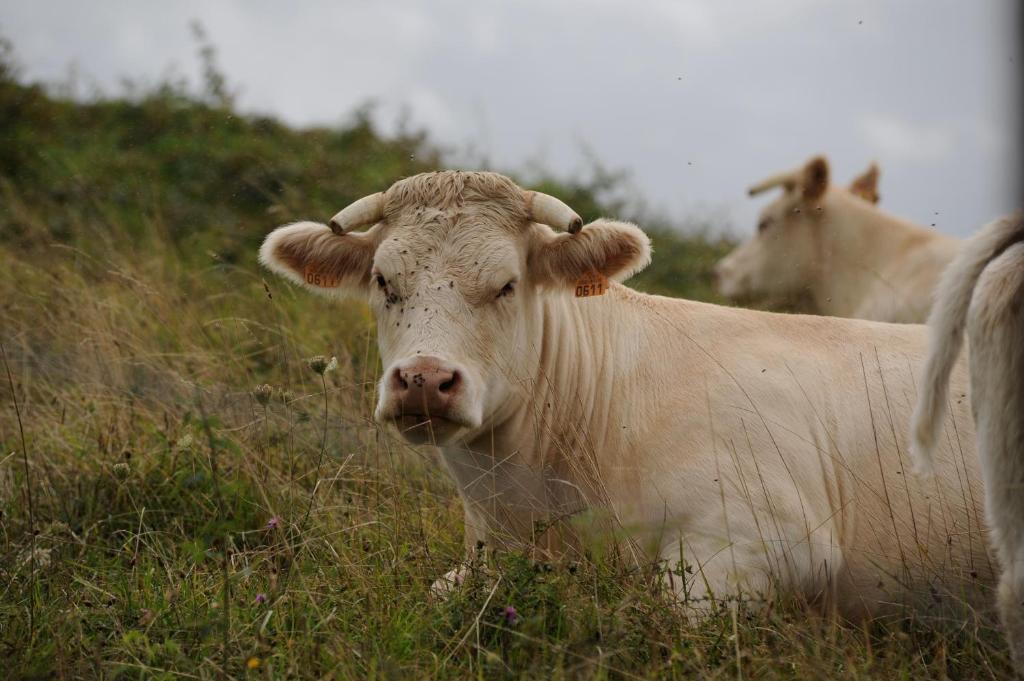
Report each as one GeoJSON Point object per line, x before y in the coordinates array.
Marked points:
{"type": "Point", "coordinates": [982, 292]}
{"type": "Point", "coordinates": [835, 251]}
{"type": "Point", "coordinates": [752, 453]}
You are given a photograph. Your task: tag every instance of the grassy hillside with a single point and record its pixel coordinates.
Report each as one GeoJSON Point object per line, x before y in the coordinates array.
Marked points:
{"type": "Point", "coordinates": [186, 170]}
{"type": "Point", "coordinates": [182, 496]}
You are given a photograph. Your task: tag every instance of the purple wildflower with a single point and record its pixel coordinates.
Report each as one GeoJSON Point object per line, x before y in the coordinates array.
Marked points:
{"type": "Point", "coordinates": [261, 599]}
{"type": "Point", "coordinates": [510, 614]}
{"type": "Point", "coordinates": [274, 523]}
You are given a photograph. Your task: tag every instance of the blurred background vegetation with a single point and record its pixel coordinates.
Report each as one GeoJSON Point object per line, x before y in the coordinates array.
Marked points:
{"type": "Point", "coordinates": [165, 164]}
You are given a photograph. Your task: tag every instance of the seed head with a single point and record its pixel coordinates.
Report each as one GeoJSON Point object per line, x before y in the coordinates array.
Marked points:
{"type": "Point", "coordinates": [121, 469]}
{"type": "Point", "coordinates": [263, 393]}
{"type": "Point", "coordinates": [321, 365]}
{"type": "Point", "coordinates": [40, 556]}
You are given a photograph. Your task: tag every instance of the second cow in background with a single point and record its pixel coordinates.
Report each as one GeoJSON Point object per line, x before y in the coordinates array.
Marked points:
{"type": "Point", "coordinates": [832, 249]}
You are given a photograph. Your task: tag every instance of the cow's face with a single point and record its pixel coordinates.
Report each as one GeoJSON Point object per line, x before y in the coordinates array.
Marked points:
{"type": "Point", "coordinates": [456, 294]}
{"type": "Point", "coordinates": [448, 293]}
{"type": "Point", "coordinates": [781, 261]}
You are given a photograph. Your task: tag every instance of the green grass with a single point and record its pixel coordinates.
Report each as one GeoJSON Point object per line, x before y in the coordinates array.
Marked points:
{"type": "Point", "coordinates": [137, 329]}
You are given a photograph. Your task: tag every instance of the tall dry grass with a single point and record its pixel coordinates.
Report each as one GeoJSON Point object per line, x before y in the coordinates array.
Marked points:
{"type": "Point", "coordinates": [187, 522]}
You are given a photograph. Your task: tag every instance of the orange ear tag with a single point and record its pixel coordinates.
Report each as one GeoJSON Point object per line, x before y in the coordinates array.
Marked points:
{"type": "Point", "coordinates": [315, 278]}
{"type": "Point", "coordinates": [591, 283]}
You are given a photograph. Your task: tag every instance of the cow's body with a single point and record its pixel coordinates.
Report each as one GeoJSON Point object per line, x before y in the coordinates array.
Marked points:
{"type": "Point", "coordinates": [837, 252]}
{"type": "Point", "coordinates": [751, 444]}
{"type": "Point", "coordinates": [750, 452]}
{"type": "Point", "coordinates": [877, 266]}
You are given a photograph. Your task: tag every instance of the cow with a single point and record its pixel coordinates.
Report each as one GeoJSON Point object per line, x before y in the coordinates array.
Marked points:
{"type": "Point", "coordinates": [830, 250]}
{"type": "Point", "coordinates": [745, 455]}
{"type": "Point", "coordinates": [982, 294]}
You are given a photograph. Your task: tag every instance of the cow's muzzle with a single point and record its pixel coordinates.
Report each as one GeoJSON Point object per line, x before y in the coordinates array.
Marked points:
{"type": "Point", "coordinates": [426, 398]}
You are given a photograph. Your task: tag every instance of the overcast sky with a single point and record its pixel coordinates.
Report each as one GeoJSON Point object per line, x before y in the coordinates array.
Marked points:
{"type": "Point", "coordinates": [697, 99]}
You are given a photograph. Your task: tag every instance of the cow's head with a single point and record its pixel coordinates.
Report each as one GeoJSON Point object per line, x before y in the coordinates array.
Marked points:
{"type": "Point", "coordinates": [454, 265]}
{"type": "Point", "coordinates": [781, 260]}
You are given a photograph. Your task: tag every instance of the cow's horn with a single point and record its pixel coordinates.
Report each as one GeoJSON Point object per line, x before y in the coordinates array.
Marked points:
{"type": "Point", "coordinates": [365, 211]}
{"type": "Point", "coordinates": [787, 178]}
{"type": "Point", "coordinates": [547, 210]}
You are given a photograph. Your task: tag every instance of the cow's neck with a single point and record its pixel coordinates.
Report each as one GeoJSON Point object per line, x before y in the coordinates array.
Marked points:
{"type": "Point", "coordinates": [538, 458]}
{"type": "Point", "coordinates": [856, 252]}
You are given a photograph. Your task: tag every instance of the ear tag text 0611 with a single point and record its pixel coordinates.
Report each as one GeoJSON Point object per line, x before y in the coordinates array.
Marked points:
{"type": "Point", "coordinates": [321, 280]}
{"type": "Point", "coordinates": [591, 283]}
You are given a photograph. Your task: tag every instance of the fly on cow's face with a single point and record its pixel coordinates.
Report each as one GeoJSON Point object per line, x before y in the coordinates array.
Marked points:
{"type": "Point", "coordinates": [390, 297]}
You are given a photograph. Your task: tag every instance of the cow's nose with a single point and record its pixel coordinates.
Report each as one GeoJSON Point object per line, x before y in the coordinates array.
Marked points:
{"type": "Point", "coordinates": [425, 386]}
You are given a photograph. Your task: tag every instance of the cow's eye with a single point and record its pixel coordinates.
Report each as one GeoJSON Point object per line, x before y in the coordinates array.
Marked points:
{"type": "Point", "coordinates": [763, 225]}
{"type": "Point", "coordinates": [507, 290]}
{"type": "Point", "coordinates": [382, 283]}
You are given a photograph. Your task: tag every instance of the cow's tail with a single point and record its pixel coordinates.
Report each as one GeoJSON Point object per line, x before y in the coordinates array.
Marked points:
{"type": "Point", "coordinates": [947, 323]}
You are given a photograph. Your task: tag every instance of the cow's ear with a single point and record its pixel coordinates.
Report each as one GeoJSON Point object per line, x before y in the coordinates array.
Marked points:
{"type": "Point", "coordinates": [615, 249]}
{"type": "Point", "coordinates": [311, 255]}
{"type": "Point", "coordinates": [814, 179]}
{"type": "Point", "coordinates": [865, 185]}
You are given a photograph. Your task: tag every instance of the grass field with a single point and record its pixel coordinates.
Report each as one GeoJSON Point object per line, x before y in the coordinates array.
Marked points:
{"type": "Point", "coordinates": [182, 496]}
